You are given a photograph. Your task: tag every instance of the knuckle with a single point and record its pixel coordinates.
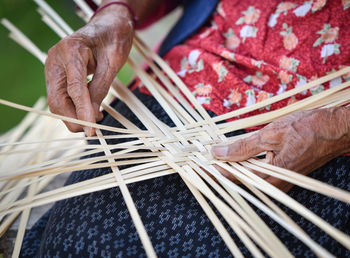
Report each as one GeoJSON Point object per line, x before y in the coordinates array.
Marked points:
{"type": "Point", "coordinates": [52, 52]}
{"type": "Point", "coordinates": [75, 91]}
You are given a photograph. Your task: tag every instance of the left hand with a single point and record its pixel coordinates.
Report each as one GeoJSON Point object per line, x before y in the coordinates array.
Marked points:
{"type": "Point", "coordinates": [301, 141]}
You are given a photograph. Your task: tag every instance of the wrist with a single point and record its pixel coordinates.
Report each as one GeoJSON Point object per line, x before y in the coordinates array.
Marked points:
{"type": "Point", "coordinates": [114, 14]}
{"type": "Point", "coordinates": [140, 10]}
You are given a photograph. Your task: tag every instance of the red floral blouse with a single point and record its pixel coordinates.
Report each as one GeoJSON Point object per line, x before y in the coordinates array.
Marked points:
{"type": "Point", "coordinates": [252, 50]}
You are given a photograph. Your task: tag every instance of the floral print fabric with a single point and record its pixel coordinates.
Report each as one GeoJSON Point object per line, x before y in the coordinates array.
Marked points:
{"type": "Point", "coordinates": [252, 50]}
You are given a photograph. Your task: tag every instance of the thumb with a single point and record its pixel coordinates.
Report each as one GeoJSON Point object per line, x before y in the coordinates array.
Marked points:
{"type": "Point", "coordinates": [240, 150]}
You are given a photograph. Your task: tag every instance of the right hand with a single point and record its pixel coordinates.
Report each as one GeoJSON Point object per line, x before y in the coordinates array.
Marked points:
{"type": "Point", "coordinates": [100, 48]}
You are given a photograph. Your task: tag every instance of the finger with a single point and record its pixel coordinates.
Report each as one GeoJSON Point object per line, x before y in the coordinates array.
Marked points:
{"type": "Point", "coordinates": [106, 71]}
{"type": "Point", "coordinates": [270, 155]}
{"type": "Point", "coordinates": [57, 97]}
{"type": "Point", "coordinates": [239, 150]}
{"type": "Point", "coordinates": [76, 71]}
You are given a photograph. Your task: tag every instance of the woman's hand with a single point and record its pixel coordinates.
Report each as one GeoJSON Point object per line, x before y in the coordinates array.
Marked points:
{"type": "Point", "coordinates": [302, 142]}
{"type": "Point", "coordinates": [100, 48]}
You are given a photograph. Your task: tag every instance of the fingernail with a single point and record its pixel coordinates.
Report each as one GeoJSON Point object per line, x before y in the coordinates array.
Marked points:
{"type": "Point", "coordinates": [220, 150]}
{"type": "Point", "coordinates": [87, 131]}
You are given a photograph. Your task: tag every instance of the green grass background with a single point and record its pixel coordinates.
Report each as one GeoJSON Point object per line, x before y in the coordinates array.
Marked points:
{"type": "Point", "coordinates": [22, 75]}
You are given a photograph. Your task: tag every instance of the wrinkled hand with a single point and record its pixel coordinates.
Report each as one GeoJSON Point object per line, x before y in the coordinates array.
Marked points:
{"type": "Point", "coordinates": [302, 142]}
{"type": "Point", "coordinates": [100, 48]}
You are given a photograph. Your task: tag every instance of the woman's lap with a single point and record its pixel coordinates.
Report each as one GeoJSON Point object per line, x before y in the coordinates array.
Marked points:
{"type": "Point", "coordinates": [98, 224]}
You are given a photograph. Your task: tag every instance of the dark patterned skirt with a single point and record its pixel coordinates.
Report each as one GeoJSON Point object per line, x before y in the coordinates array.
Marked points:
{"type": "Point", "coordinates": [99, 225]}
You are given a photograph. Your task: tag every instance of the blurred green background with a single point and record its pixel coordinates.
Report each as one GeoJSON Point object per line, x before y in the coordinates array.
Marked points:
{"type": "Point", "coordinates": [22, 75]}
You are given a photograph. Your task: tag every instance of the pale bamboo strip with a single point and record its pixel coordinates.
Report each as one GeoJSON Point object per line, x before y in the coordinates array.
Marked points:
{"type": "Point", "coordinates": [272, 115]}
{"type": "Point", "coordinates": [270, 236]}
{"type": "Point", "coordinates": [82, 191]}
{"type": "Point", "coordinates": [149, 83]}
{"type": "Point", "coordinates": [68, 158]}
{"type": "Point", "coordinates": [239, 232]}
{"type": "Point", "coordinates": [97, 2]}
{"type": "Point", "coordinates": [131, 205]}
{"type": "Point", "coordinates": [6, 186]}
{"type": "Point", "coordinates": [56, 161]}
{"type": "Point", "coordinates": [287, 200]}
{"type": "Point", "coordinates": [235, 222]}
{"type": "Point", "coordinates": [108, 178]}
{"type": "Point", "coordinates": [23, 224]}
{"type": "Point", "coordinates": [10, 198]}
{"type": "Point", "coordinates": [231, 245]}
{"type": "Point", "coordinates": [85, 8]}
{"type": "Point", "coordinates": [118, 117]}
{"type": "Point", "coordinates": [248, 215]}
{"type": "Point", "coordinates": [223, 180]}
{"type": "Point", "coordinates": [22, 127]}
{"type": "Point", "coordinates": [179, 83]}
{"type": "Point", "coordinates": [81, 139]}
{"type": "Point", "coordinates": [26, 158]}
{"type": "Point", "coordinates": [38, 188]}
{"type": "Point", "coordinates": [280, 97]}
{"type": "Point", "coordinates": [255, 221]}
{"type": "Point", "coordinates": [123, 94]}
{"type": "Point", "coordinates": [8, 222]}
{"type": "Point", "coordinates": [16, 187]}
{"type": "Point", "coordinates": [169, 85]}
{"type": "Point", "coordinates": [342, 96]}
{"type": "Point", "coordinates": [282, 214]}
{"type": "Point", "coordinates": [49, 22]}
{"type": "Point", "coordinates": [227, 240]}
{"type": "Point", "coordinates": [298, 179]}
{"type": "Point", "coordinates": [83, 166]}
{"type": "Point", "coordinates": [22, 40]}
{"type": "Point", "coordinates": [68, 119]}
{"type": "Point", "coordinates": [131, 146]}
{"type": "Point", "coordinates": [54, 16]}
{"type": "Point", "coordinates": [118, 155]}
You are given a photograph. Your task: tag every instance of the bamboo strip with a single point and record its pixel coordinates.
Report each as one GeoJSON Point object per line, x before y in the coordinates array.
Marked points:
{"type": "Point", "coordinates": [231, 245]}
{"type": "Point", "coordinates": [22, 40]}
{"type": "Point", "coordinates": [54, 16]}
{"type": "Point", "coordinates": [49, 22]}
{"type": "Point", "coordinates": [298, 179]}
{"type": "Point", "coordinates": [284, 95]}
{"type": "Point", "coordinates": [272, 115]}
{"type": "Point", "coordinates": [22, 225]}
{"type": "Point", "coordinates": [317, 249]}
{"type": "Point", "coordinates": [131, 205]}
{"type": "Point", "coordinates": [287, 200]}
{"type": "Point", "coordinates": [85, 8]}
{"type": "Point", "coordinates": [223, 180]}
{"type": "Point", "coordinates": [238, 226]}
{"type": "Point", "coordinates": [84, 190]}
{"type": "Point", "coordinates": [68, 119]}
{"type": "Point", "coordinates": [257, 225]}
{"type": "Point", "coordinates": [169, 85]}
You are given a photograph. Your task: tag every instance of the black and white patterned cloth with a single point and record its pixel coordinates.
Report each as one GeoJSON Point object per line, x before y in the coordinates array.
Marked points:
{"type": "Point", "coordinates": [99, 224]}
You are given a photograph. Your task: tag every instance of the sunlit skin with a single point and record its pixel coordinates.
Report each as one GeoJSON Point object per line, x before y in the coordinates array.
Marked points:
{"type": "Point", "coordinates": [302, 141]}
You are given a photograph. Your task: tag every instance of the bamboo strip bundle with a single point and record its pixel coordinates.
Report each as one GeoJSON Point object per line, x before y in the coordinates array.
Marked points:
{"type": "Point", "coordinates": [183, 149]}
